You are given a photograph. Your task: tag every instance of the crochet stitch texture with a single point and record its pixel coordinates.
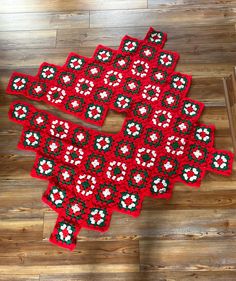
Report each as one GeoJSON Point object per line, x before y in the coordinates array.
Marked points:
{"type": "Point", "coordinates": [92, 173]}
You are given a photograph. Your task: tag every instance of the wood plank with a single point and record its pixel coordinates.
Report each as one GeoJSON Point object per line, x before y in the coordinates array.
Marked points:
{"type": "Point", "coordinates": [215, 70]}
{"type": "Point", "coordinates": [28, 39]}
{"type": "Point", "coordinates": [21, 230]}
{"type": "Point", "coordinates": [28, 6]}
{"type": "Point", "coordinates": [230, 96]}
{"type": "Point", "coordinates": [21, 200]}
{"type": "Point", "coordinates": [105, 256]}
{"type": "Point", "coordinates": [217, 116]}
{"type": "Point", "coordinates": [38, 21]}
{"type": "Point", "coordinates": [69, 269]}
{"type": "Point", "coordinates": [16, 277]}
{"type": "Point", "coordinates": [177, 255]}
{"type": "Point", "coordinates": [144, 17]}
{"type": "Point", "coordinates": [91, 37]}
{"type": "Point", "coordinates": [20, 58]}
{"type": "Point", "coordinates": [162, 224]}
{"type": "Point", "coordinates": [190, 3]}
{"type": "Point", "coordinates": [144, 276]}
{"type": "Point", "coordinates": [189, 63]}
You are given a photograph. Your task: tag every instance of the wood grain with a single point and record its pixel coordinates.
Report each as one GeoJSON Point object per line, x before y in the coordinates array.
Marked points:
{"type": "Point", "coordinates": [28, 39]}
{"type": "Point", "coordinates": [189, 237]}
{"type": "Point", "coordinates": [230, 98]}
{"type": "Point", "coordinates": [43, 21]}
{"type": "Point", "coordinates": [168, 255]}
{"type": "Point", "coordinates": [27, 6]}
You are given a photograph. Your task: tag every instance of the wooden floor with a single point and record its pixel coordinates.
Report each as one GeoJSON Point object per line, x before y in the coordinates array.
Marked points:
{"type": "Point", "coordinates": [190, 237]}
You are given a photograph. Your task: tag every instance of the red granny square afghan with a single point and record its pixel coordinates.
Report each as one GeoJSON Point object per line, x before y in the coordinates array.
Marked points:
{"type": "Point", "coordinates": [92, 173]}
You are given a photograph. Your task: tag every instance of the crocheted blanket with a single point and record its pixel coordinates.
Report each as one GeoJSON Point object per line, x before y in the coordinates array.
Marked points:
{"type": "Point", "coordinates": [92, 173]}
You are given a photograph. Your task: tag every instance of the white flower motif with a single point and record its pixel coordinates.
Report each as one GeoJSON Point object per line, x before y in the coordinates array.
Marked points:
{"type": "Point", "coordinates": [116, 171]}
{"type": "Point", "coordinates": [146, 157]}
{"type": "Point", "coordinates": [103, 94]}
{"type": "Point", "coordinates": [151, 92]}
{"type": "Point", "coordinates": [162, 118]}
{"type": "Point", "coordinates": [53, 146]}
{"type": "Point", "coordinates": [75, 208]}
{"type": "Point", "coordinates": [39, 120]}
{"type": "Point", "coordinates": [129, 201]}
{"type": "Point", "coordinates": [94, 70]}
{"type": "Point", "coordinates": [106, 192]}
{"type": "Point", "coordinates": [140, 68]}
{"type": "Point", "coordinates": [104, 55]}
{"type": "Point", "coordinates": [197, 153]}
{"type": "Point", "coordinates": [159, 76]}
{"type": "Point", "coordinates": [38, 89]}
{"type": "Point", "coordinates": [142, 110]}
{"type": "Point", "coordinates": [131, 85]}
{"type": "Point", "coordinates": [113, 78]}
{"type": "Point", "coordinates": [153, 137]}
{"type": "Point", "coordinates": [94, 112]}
{"type": "Point", "coordinates": [66, 79]}
{"type": "Point", "coordinates": [57, 196]}
{"type": "Point", "coordinates": [48, 72]}
{"type": "Point", "coordinates": [191, 174]}
{"type": "Point", "coordinates": [124, 149]}
{"type": "Point", "coordinates": [45, 166]}
{"type": "Point", "coordinates": [85, 184]}
{"type": "Point", "coordinates": [133, 129]}
{"type": "Point", "coordinates": [159, 185]}
{"type": "Point", "coordinates": [179, 142]}
{"type": "Point", "coordinates": [97, 217]}
{"type": "Point", "coordinates": [168, 165]}
{"type": "Point", "coordinates": [80, 136]}
{"type": "Point", "coordinates": [203, 134]}
{"type": "Point", "coordinates": [220, 161]}
{"type": "Point", "coordinates": [84, 87]}
{"type": "Point", "coordinates": [56, 95]}
{"type": "Point", "coordinates": [122, 102]}
{"type": "Point", "coordinates": [170, 100]}
{"type": "Point", "coordinates": [70, 152]}
{"type": "Point", "coordinates": [103, 143]}
{"type": "Point", "coordinates": [155, 37]}
{"type": "Point", "coordinates": [76, 63]}
{"type": "Point", "coordinates": [121, 62]}
{"type": "Point", "coordinates": [130, 46]}
{"type": "Point", "coordinates": [138, 178]}
{"type": "Point", "coordinates": [95, 163]}
{"type": "Point", "coordinates": [166, 59]}
{"type": "Point", "coordinates": [182, 126]}
{"type": "Point", "coordinates": [65, 232]}
{"type": "Point", "coordinates": [178, 82]}
{"type": "Point", "coordinates": [32, 138]}
{"type": "Point", "coordinates": [147, 52]}
{"type": "Point", "coordinates": [63, 126]}
{"type": "Point", "coordinates": [190, 109]}
{"type": "Point", "coordinates": [65, 175]}
{"type": "Point", "coordinates": [19, 83]}
{"type": "Point", "coordinates": [20, 111]}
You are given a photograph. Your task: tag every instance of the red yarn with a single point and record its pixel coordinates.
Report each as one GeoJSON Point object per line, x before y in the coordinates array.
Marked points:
{"type": "Point", "coordinates": [91, 173]}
